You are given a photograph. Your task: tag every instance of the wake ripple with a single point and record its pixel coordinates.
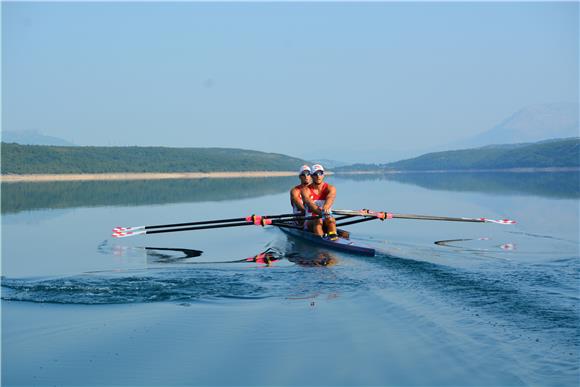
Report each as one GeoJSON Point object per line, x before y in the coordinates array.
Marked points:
{"type": "Point", "coordinates": [180, 285]}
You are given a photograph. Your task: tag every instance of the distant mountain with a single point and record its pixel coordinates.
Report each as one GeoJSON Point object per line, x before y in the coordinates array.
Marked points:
{"type": "Point", "coordinates": [530, 124]}
{"type": "Point", "coordinates": [557, 153]}
{"type": "Point", "coordinates": [32, 137]}
{"type": "Point", "coordinates": [42, 159]}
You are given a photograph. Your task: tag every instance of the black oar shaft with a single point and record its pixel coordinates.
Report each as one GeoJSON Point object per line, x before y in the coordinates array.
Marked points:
{"type": "Point", "coordinates": [201, 227]}
{"type": "Point", "coordinates": [237, 224]}
{"type": "Point", "coordinates": [203, 222]}
{"type": "Point", "coordinates": [195, 223]}
{"type": "Point", "coordinates": [355, 222]}
{"type": "Point", "coordinates": [290, 225]}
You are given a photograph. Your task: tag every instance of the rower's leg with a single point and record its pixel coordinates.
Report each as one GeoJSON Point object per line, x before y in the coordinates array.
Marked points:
{"type": "Point", "coordinates": [317, 227]}
{"type": "Point", "coordinates": [330, 225]}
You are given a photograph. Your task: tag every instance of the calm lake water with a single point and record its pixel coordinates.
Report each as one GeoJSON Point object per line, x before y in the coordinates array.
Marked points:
{"type": "Point", "coordinates": [495, 305]}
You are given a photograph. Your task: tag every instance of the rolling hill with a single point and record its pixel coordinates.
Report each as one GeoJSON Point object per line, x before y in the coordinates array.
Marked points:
{"type": "Point", "coordinates": [557, 153]}
{"type": "Point", "coordinates": [40, 159]}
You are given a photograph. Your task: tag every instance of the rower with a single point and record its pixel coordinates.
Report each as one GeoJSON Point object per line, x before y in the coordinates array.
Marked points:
{"type": "Point", "coordinates": [319, 198]}
{"type": "Point", "coordinates": [296, 195]}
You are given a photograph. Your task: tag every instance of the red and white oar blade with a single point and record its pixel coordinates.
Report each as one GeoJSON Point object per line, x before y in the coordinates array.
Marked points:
{"type": "Point", "coordinates": [123, 232]}
{"type": "Point", "coordinates": [128, 229]}
{"type": "Point", "coordinates": [500, 221]}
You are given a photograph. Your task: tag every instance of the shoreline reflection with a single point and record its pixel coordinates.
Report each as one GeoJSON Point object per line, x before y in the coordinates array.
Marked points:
{"type": "Point", "coordinates": [558, 185]}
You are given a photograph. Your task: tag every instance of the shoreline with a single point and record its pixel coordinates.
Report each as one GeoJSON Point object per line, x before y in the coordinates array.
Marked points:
{"type": "Point", "coordinates": [13, 178]}
{"type": "Point", "coordinates": [434, 171]}
{"type": "Point", "coordinates": [140, 176]}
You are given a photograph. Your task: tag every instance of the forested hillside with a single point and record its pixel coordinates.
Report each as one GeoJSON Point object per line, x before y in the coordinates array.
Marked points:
{"type": "Point", "coordinates": [563, 153]}
{"type": "Point", "coordinates": [40, 159]}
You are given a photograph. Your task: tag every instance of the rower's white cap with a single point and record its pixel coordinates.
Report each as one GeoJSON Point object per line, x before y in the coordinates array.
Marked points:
{"type": "Point", "coordinates": [304, 168]}
{"type": "Point", "coordinates": [317, 167]}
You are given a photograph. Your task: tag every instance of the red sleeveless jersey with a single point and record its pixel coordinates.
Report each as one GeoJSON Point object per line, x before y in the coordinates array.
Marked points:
{"type": "Point", "coordinates": [320, 195]}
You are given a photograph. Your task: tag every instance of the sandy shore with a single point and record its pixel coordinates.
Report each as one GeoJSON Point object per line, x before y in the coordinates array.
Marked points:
{"type": "Point", "coordinates": [141, 176]}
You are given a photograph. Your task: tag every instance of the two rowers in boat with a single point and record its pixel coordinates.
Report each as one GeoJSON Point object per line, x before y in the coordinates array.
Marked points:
{"type": "Point", "coordinates": [315, 197]}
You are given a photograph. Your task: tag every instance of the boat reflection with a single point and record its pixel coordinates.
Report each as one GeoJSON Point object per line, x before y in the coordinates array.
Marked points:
{"type": "Point", "coordinates": [320, 258]}
{"type": "Point", "coordinates": [266, 258]}
{"type": "Point", "coordinates": [179, 255]}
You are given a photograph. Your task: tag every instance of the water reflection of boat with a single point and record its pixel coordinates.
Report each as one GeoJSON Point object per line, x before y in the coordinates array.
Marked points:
{"type": "Point", "coordinates": [322, 258]}
{"type": "Point", "coordinates": [343, 243]}
{"type": "Point", "coordinates": [268, 257]}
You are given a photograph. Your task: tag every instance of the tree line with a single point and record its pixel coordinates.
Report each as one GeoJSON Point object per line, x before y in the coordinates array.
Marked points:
{"type": "Point", "coordinates": [43, 159]}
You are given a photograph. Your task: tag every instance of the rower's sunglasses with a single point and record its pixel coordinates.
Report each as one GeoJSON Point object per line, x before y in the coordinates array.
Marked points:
{"type": "Point", "coordinates": [305, 173]}
{"type": "Point", "coordinates": [318, 173]}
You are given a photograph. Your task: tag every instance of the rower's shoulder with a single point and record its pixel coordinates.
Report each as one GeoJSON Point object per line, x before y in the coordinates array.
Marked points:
{"type": "Point", "coordinates": [296, 191]}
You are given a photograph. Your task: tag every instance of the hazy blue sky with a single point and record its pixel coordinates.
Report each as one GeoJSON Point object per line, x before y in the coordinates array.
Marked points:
{"type": "Point", "coordinates": [296, 78]}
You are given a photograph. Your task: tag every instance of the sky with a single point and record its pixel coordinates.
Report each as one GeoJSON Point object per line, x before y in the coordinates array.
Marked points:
{"type": "Point", "coordinates": [337, 80]}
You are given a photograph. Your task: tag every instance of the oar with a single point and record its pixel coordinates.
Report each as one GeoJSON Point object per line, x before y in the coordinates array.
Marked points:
{"type": "Point", "coordinates": [388, 215]}
{"type": "Point", "coordinates": [123, 232]}
{"type": "Point", "coordinates": [251, 218]}
{"type": "Point", "coordinates": [355, 221]}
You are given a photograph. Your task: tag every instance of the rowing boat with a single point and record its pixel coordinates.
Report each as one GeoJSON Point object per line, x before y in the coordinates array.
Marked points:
{"type": "Point", "coordinates": [282, 221]}
{"type": "Point", "coordinates": [341, 244]}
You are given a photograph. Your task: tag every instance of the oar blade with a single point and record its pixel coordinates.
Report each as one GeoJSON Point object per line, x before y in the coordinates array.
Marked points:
{"type": "Point", "coordinates": [128, 229]}
{"type": "Point", "coordinates": [123, 234]}
{"type": "Point", "coordinates": [499, 221]}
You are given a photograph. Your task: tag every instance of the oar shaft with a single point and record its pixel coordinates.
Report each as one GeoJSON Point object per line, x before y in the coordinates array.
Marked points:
{"type": "Point", "coordinates": [203, 222]}
{"type": "Point", "coordinates": [442, 218]}
{"type": "Point", "coordinates": [388, 215]}
{"type": "Point", "coordinates": [237, 224]}
{"type": "Point", "coordinates": [200, 227]}
{"type": "Point", "coordinates": [252, 219]}
{"type": "Point", "coordinates": [275, 223]}
{"type": "Point", "coordinates": [262, 222]}
{"type": "Point", "coordinates": [289, 225]}
{"type": "Point", "coordinates": [195, 223]}
{"type": "Point", "coordinates": [354, 222]}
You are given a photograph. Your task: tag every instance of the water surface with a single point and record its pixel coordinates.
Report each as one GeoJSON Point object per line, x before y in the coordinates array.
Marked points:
{"type": "Point", "coordinates": [486, 305]}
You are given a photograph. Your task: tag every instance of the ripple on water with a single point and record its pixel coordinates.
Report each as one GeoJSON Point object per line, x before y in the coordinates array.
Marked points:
{"type": "Point", "coordinates": [178, 285]}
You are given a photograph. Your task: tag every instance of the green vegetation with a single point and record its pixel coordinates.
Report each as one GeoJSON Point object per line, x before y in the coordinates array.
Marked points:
{"type": "Point", "coordinates": [564, 153]}
{"type": "Point", "coordinates": [42, 159]}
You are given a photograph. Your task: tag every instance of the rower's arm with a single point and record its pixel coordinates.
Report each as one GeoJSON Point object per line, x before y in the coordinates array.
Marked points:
{"type": "Point", "coordinates": [309, 202]}
{"type": "Point", "coordinates": [329, 198]}
{"type": "Point", "coordinates": [296, 199]}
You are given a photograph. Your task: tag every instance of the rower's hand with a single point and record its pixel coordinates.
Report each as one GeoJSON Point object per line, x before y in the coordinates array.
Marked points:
{"type": "Point", "coordinates": [326, 213]}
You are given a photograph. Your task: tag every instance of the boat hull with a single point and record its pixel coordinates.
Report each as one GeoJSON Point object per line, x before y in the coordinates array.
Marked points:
{"type": "Point", "coordinates": [341, 244]}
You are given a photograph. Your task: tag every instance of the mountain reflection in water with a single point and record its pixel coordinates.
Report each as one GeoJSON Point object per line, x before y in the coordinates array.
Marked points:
{"type": "Point", "coordinates": [562, 185]}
